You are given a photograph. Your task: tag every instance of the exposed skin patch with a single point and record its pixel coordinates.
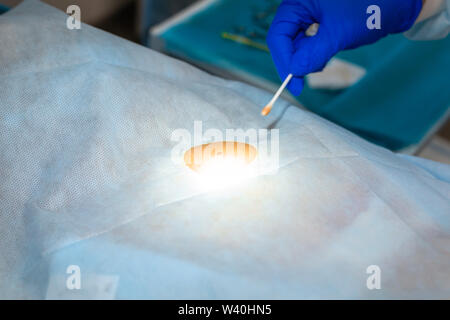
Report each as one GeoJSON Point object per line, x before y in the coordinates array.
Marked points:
{"type": "Point", "coordinates": [197, 156]}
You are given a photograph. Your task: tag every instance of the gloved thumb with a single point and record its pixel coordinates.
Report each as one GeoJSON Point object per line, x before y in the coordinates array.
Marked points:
{"type": "Point", "coordinates": [311, 54]}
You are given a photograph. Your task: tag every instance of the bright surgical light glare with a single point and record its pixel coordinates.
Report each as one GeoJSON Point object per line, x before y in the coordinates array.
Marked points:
{"type": "Point", "coordinates": [221, 164]}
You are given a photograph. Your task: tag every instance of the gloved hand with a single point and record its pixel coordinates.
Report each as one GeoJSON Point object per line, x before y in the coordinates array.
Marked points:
{"type": "Point", "coordinates": [343, 25]}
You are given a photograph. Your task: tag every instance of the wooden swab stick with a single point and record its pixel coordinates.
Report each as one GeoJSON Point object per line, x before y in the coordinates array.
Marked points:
{"type": "Point", "coordinates": [269, 106]}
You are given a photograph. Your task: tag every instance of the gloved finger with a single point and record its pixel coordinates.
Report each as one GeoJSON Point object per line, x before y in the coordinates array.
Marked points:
{"type": "Point", "coordinates": [296, 85]}
{"type": "Point", "coordinates": [298, 40]}
{"type": "Point", "coordinates": [313, 53]}
{"type": "Point", "coordinates": [290, 20]}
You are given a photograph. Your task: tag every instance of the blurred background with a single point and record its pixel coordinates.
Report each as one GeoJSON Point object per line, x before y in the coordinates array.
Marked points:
{"type": "Point", "coordinates": [227, 38]}
{"type": "Point", "coordinates": [126, 18]}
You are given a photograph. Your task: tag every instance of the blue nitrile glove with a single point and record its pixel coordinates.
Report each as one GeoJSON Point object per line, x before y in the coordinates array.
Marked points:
{"type": "Point", "coordinates": [343, 25]}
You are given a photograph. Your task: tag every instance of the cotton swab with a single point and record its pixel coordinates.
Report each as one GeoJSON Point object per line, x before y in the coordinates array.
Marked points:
{"type": "Point", "coordinates": [269, 106]}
